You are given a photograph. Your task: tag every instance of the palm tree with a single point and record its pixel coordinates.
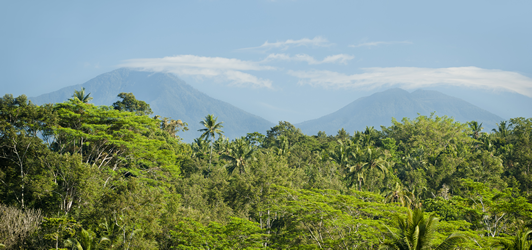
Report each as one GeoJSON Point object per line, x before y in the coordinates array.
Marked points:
{"type": "Point", "coordinates": [416, 233]}
{"type": "Point", "coordinates": [282, 146]}
{"type": "Point", "coordinates": [399, 194]}
{"type": "Point", "coordinates": [239, 152]}
{"type": "Point", "coordinates": [87, 241]}
{"type": "Point", "coordinates": [503, 129]}
{"type": "Point", "coordinates": [199, 148]}
{"type": "Point", "coordinates": [370, 158]}
{"type": "Point", "coordinates": [341, 154]}
{"type": "Point", "coordinates": [80, 95]}
{"type": "Point", "coordinates": [211, 129]}
{"type": "Point", "coordinates": [477, 128]}
{"type": "Point", "coordinates": [520, 242]}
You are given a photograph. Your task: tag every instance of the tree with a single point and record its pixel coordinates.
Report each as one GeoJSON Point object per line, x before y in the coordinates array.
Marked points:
{"type": "Point", "coordinates": [519, 242]}
{"type": "Point", "coordinates": [16, 225]}
{"type": "Point", "coordinates": [255, 139]}
{"type": "Point", "coordinates": [416, 233]}
{"type": "Point", "coordinates": [22, 125]}
{"type": "Point", "coordinates": [342, 135]}
{"type": "Point", "coordinates": [80, 95]}
{"type": "Point", "coordinates": [131, 104]}
{"type": "Point", "coordinates": [237, 234]}
{"type": "Point", "coordinates": [87, 240]}
{"type": "Point", "coordinates": [211, 129]}
{"type": "Point", "coordinates": [286, 129]}
{"type": "Point", "coordinates": [503, 129]}
{"type": "Point", "coordinates": [495, 210]}
{"type": "Point", "coordinates": [172, 126]}
{"type": "Point", "coordinates": [239, 152]}
{"type": "Point", "coordinates": [477, 129]}
{"type": "Point", "coordinates": [372, 158]}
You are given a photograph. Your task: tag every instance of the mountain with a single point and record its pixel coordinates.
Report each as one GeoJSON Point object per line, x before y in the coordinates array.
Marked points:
{"type": "Point", "coordinates": [379, 108]}
{"type": "Point", "coordinates": [168, 96]}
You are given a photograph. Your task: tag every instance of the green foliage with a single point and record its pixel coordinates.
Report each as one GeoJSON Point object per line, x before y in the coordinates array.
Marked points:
{"type": "Point", "coordinates": [86, 240]}
{"type": "Point", "coordinates": [237, 234]}
{"type": "Point", "coordinates": [519, 242]}
{"type": "Point", "coordinates": [56, 229]}
{"type": "Point", "coordinates": [113, 178]}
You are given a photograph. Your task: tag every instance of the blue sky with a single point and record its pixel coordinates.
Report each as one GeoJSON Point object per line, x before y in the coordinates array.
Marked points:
{"type": "Point", "coordinates": [282, 60]}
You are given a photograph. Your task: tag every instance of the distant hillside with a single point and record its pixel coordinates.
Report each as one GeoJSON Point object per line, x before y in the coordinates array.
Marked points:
{"type": "Point", "coordinates": [168, 96]}
{"type": "Point", "coordinates": [379, 108]}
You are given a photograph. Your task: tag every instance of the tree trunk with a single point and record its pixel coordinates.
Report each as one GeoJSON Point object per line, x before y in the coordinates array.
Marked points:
{"type": "Point", "coordinates": [210, 156]}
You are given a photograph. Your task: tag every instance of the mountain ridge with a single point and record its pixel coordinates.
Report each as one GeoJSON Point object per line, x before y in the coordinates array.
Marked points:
{"type": "Point", "coordinates": [378, 109]}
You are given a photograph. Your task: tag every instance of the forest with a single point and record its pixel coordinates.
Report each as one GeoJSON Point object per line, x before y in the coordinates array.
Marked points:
{"type": "Point", "coordinates": [78, 176]}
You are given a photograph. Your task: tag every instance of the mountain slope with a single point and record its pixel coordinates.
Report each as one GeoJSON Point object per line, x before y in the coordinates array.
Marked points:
{"type": "Point", "coordinates": [168, 96]}
{"type": "Point", "coordinates": [379, 108]}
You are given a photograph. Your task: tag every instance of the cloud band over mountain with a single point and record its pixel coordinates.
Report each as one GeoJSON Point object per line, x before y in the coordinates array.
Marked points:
{"type": "Point", "coordinates": [412, 77]}
{"type": "Point", "coordinates": [233, 70]}
{"type": "Point", "coordinates": [229, 69]}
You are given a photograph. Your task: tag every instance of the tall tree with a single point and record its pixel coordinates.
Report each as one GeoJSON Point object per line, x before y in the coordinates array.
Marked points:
{"type": "Point", "coordinates": [212, 127]}
{"type": "Point", "coordinates": [80, 95]}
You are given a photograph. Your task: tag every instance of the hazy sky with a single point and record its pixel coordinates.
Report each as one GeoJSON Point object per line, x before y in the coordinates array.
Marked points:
{"type": "Point", "coordinates": [282, 60]}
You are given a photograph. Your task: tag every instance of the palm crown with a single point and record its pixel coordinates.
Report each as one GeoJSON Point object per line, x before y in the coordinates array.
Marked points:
{"type": "Point", "coordinates": [211, 129]}
{"type": "Point", "coordinates": [416, 233]}
{"type": "Point", "coordinates": [80, 95]}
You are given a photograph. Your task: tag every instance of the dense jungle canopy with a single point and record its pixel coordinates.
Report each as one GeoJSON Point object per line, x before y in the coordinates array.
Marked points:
{"type": "Point", "coordinates": [78, 176]}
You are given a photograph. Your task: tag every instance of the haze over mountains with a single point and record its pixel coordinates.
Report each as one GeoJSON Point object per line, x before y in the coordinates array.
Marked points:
{"type": "Point", "coordinates": [171, 97]}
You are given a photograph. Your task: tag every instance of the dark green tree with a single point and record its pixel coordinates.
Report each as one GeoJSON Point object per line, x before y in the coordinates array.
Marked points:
{"type": "Point", "coordinates": [131, 104]}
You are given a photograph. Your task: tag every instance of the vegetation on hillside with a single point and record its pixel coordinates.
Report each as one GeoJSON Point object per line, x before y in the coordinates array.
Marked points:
{"type": "Point", "coordinates": [78, 176]}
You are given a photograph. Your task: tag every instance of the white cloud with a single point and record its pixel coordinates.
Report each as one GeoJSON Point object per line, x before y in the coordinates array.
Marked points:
{"type": "Point", "coordinates": [411, 78]}
{"type": "Point", "coordinates": [340, 58]}
{"type": "Point", "coordinates": [228, 68]}
{"type": "Point", "coordinates": [372, 44]}
{"type": "Point", "coordinates": [242, 79]}
{"type": "Point", "coordinates": [314, 42]}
